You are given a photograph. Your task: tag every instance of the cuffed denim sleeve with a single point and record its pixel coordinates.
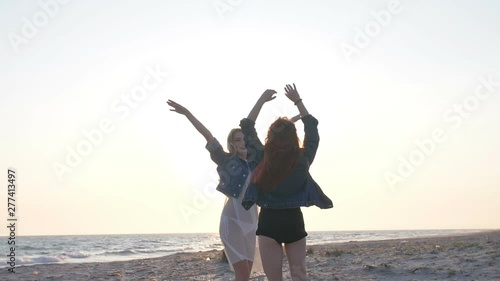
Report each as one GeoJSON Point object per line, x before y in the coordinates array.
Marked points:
{"type": "Point", "coordinates": [311, 138]}
{"type": "Point", "coordinates": [216, 152]}
{"type": "Point", "coordinates": [253, 144]}
{"type": "Point", "coordinates": [250, 197]}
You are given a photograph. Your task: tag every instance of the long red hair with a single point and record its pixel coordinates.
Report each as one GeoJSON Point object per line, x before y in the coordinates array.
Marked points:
{"type": "Point", "coordinates": [281, 155]}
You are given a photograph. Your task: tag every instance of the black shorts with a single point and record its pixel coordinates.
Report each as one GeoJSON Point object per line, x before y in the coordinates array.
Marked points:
{"type": "Point", "coordinates": [283, 225]}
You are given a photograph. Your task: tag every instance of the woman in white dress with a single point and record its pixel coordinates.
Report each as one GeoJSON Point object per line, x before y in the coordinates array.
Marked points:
{"type": "Point", "coordinates": [237, 226]}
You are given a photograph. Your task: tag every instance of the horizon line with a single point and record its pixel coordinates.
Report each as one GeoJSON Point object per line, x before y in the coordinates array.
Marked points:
{"type": "Point", "coordinates": [356, 230]}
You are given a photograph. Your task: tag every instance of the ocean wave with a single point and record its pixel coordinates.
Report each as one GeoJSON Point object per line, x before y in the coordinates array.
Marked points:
{"type": "Point", "coordinates": [76, 255]}
{"type": "Point", "coordinates": [153, 251]}
{"type": "Point", "coordinates": [151, 241]}
{"type": "Point", "coordinates": [36, 260]}
{"type": "Point", "coordinates": [63, 257]}
{"type": "Point", "coordinates": [24, 248]}
{"type": "Point", "coordinates": [119, 253]}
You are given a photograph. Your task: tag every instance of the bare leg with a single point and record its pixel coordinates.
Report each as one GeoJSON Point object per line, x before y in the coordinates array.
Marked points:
{"type": "Point", "coordinates": [296, 255]}
{"type": "Point", "coordinates": [272, 258]}
{"type": "Point", "coordinates": [242, 270]}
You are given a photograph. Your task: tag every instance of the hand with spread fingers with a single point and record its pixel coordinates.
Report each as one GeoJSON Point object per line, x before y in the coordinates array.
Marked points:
{"type": "Point", "coordinates": [178, 108]}
{"type": "Point", "coordinates": [196, 123]}
{"type": "Point", "coordinates": [292, 93]}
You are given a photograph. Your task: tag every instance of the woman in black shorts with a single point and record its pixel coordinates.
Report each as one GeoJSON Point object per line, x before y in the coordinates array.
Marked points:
{"type": "Point", "coordinates": [280, 185]}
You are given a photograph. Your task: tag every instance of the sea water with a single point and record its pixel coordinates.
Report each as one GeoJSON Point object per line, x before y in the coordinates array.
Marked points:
{"type": "Point", "coordinates": [105, 248]}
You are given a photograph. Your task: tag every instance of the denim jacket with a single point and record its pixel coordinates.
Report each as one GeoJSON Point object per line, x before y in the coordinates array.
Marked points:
{"type": "Point", "coordinates": [299, 188]}
{"type": "Point", "coordinates": [233, 171]}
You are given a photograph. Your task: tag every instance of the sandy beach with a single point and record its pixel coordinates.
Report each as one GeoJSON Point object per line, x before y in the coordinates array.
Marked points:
{"type": "Point", "coordinates": [458, 257]}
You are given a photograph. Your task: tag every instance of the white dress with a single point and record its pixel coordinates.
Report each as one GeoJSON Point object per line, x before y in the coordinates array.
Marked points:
{"type": "Point", "coordinates": [237, 230]}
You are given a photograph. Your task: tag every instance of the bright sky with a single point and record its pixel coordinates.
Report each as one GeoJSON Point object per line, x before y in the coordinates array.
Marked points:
{"type": "Point", "coordinates": [407, 94]}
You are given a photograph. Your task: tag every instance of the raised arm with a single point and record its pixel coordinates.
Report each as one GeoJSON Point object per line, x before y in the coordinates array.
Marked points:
{"type": "Point", "coordinates": [252, 142]}
{"type": "Point", "coordinates": [311, 137]}
{"type": "Point", "coordinates": [293, 95]}
{"type": "Point", "coordinates": [213, 146]}
{"type": "Point", "coordinates": [268, 95]}
{"type": "Point", "coordinates": [196, 123]}
{"type": "Point", "coordinates": [295, 118]}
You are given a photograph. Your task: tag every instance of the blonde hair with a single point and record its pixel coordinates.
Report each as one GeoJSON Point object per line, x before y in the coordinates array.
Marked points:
{"type": "Point", "coordinates": [230, 136]}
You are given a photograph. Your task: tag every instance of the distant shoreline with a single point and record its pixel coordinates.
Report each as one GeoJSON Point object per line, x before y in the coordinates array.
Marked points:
{"type": "Point", "coordinates": [86, 249]}
{"type": "Point", "coordinates": [311, 231]}
{"type": "Point", "coordinates": [452, 257]}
